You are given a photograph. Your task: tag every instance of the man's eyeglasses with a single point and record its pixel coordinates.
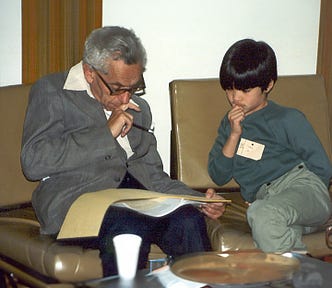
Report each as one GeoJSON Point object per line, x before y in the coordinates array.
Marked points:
{"type": "Point", "coordinates": [139, 91]}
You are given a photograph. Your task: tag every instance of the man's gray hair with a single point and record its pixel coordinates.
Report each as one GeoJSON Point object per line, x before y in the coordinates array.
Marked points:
{"type": "Point", "coordinates": [116, 43]}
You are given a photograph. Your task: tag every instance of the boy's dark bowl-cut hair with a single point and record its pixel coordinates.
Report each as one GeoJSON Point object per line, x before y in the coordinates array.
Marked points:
{"type": "Point", "coordinates": [248, 64]}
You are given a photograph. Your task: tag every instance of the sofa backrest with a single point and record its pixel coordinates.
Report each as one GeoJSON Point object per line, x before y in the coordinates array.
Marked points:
{"type": "Point", "coordinates": [14, 188]}
{"type": "Point", "coordinates": [198, 105]}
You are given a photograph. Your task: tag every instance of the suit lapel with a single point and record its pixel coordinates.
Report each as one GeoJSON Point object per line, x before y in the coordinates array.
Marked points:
{"type": "Point", "coordinates": [87, 104]}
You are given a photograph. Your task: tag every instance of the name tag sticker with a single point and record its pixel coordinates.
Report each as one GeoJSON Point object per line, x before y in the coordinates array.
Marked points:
{"type": "Point", "coordinates": [250, 149]}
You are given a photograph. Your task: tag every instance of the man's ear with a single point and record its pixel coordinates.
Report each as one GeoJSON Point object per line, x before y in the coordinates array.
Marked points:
{"type": "Point", "coordinates": [88, 73]}
{"type": "Point", "coordinates": [269, 87]}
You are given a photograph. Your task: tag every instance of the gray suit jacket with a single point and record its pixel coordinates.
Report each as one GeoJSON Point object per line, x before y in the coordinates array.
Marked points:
{"type": "Point", "coordinates": [68, 147]}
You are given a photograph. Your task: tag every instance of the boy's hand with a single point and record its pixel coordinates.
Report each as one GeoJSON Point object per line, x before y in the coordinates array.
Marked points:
{"type": "Point", "coordinates": [236, 116]}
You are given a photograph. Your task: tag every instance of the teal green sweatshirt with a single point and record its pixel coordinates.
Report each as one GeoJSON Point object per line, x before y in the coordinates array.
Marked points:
{"type": "Point", "coordinates": [289, 139]}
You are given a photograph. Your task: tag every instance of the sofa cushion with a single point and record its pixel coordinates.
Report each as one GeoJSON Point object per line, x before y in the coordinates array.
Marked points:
{"type": "Point", "coordinates": [22, 245]}
{"type": "Point", "coordinates": [21, 241]}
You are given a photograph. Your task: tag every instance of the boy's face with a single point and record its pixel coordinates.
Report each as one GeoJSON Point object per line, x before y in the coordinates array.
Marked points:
{"type": "Point", "coordinates": [249, 100]}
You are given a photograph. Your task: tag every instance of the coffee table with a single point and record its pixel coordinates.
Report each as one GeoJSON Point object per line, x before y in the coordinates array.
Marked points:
{"type": "Point", "coordinates": [312, 273]}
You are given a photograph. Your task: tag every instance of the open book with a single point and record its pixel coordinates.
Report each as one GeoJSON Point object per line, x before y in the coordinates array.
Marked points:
{"type": "Point", "coordinates": [86, 214]}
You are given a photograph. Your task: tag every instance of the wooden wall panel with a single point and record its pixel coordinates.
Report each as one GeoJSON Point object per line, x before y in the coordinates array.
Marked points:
{"type": "Point", "coordinates": [324, 60]}
{"type": "Point", "coordinates": [53, 34]}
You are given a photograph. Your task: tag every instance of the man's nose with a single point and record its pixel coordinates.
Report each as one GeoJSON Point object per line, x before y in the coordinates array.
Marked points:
{"type": "Point", "coordinates": [125, 97]}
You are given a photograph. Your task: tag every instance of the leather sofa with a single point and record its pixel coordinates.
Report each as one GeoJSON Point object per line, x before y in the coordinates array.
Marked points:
{"type": "Point", "coordinates": [197, 106]}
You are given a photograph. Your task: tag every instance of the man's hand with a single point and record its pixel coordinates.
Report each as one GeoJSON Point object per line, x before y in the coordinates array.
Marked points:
{"type": "Point", "coordinates": [121, 121]}
{"type": "Point", "coordinates": [213, 210]}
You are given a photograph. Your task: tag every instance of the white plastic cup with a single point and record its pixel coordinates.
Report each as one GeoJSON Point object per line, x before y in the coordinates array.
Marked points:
{"type": "Point", "coordinates": [127, 248]}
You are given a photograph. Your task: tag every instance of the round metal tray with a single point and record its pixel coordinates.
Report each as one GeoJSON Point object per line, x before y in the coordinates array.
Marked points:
{"type": "Point", "coordinates": [235, 268]}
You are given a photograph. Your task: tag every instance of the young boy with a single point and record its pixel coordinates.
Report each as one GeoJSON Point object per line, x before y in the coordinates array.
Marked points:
{"type": "Point", "coordinates": [271, 151]}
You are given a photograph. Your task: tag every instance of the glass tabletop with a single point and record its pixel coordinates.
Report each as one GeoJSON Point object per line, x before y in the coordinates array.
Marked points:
{"type": "Point", "coordinates": [310, 273]}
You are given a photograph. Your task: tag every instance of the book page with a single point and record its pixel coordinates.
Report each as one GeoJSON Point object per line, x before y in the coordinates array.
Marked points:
{"type": "Point", "coordinates": [86, 214]}
{"type": "Point", "coordinates": [156, 207]}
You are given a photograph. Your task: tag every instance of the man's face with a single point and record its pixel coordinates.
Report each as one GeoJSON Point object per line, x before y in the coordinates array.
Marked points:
{"type": "Point", "coordinates": [119, 76]}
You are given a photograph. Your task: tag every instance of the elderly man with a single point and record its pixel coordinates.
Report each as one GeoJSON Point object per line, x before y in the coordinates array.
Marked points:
{"type": "Point", "coordinates": [87, 130]}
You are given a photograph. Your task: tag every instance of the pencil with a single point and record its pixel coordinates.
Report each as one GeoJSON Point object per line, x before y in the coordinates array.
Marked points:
{"type": "Point", "coordinates": [150, 130]}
